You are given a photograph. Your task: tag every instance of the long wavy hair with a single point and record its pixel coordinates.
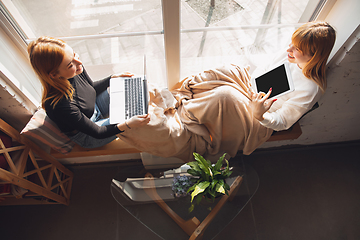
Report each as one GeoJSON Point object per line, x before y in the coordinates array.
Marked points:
{"type": "Point", "coordinates": [46, 55]}
{"type": "Point", "coordinates": [315, 39]}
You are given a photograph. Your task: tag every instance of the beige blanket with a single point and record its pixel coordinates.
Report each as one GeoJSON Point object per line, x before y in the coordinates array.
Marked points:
{"type": "Point", "coordinates": [207, 113]}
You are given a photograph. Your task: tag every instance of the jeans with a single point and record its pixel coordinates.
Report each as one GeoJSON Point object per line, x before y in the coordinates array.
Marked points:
{"type": "Point", "coordinates": [100, 118]}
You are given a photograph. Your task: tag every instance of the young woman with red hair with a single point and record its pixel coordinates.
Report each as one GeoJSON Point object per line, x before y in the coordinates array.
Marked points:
{"type": "Point", "coordinates": [78, 105]}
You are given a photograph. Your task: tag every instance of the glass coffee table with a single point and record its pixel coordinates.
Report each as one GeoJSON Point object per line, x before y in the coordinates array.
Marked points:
{"type": "Point", "coordinates": [148, 196]}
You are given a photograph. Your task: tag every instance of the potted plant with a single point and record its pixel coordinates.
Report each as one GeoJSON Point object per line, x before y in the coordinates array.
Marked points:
{"type": "Point", "coordinates": [209, 179]}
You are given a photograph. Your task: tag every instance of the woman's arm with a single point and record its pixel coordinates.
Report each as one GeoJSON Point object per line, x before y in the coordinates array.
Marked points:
{"type": "Point", "coordinates": [72, 116]}
{"type": "Point", "coordinates": [102, 85]}
{"type": "Point", "coordinates": [289, 112]}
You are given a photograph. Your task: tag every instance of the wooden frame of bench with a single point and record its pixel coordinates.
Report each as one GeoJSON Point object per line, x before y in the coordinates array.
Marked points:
{"type": "Point", "coordinates": [52, 181]}
{"type": "Point", "coordinates": [119, 147]}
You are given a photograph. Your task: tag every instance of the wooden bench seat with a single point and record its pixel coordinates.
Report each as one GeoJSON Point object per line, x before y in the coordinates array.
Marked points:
{"type": "Point", "coordinates": [115, 147]}
{"type": "Point", "coordinates": [119, 147]}
{"type": "Point", "coordinates": [292, 133]}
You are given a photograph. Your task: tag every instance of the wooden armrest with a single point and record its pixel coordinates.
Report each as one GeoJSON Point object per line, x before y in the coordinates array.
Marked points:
{"type": "Point", "coordinates": [292, 133]}
{"type": "Point", "coordinates": [113, 148]}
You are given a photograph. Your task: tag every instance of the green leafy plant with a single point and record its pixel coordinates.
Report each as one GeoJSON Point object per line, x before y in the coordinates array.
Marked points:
{"type": "Point", "coordinates": [209, 179]}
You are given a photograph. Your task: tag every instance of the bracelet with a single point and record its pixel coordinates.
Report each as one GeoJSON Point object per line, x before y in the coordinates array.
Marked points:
{"type": "Point", "coordinates": [127, 125]}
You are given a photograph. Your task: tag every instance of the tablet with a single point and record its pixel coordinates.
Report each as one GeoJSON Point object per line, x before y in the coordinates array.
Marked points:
{"type": "Point", "coordinates": [278, 78]}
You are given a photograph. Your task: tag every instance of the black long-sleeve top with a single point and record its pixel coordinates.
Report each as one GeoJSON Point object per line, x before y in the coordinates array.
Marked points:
{"type": "Point", "coordinates": [76, 114]}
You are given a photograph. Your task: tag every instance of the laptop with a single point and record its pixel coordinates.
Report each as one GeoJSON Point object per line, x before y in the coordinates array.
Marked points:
{"type": "Point", "coordinates": [128, 97]}
{"type": "Point", "coordinates": [279, 79]}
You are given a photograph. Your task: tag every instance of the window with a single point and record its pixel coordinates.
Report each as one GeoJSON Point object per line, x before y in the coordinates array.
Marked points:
{"type": "Point", "coordinates": [233, 31]}
{"type": "Point", "coordinates": [114, 35]}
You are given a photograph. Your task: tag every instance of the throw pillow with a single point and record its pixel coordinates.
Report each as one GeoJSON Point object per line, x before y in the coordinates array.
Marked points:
{"type": "Point", "coordinates": [42, 128]}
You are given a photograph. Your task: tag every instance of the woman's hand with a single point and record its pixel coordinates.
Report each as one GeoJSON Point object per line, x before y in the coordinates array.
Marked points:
{"type": "Point", "coordinates": [260, 103]}
{"type": "Point", "coordinates": [134, 122]}
{"type": "Point", "coordinates": [123, 74]}
{"type": "Point", "coordinates": [138, 121]}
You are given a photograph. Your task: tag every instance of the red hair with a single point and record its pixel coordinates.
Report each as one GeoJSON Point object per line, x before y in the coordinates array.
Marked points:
{"type": "Point", "coordinates": [315, 39]}
{"type": "Point", "coordinates": [46, 55]}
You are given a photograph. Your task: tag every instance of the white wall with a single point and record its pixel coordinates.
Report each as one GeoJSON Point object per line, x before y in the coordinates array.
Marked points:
{"type": "Point", "coordinates": [15, 65]}
{"type": "Point", "coordinates": [16, 107]}
{"type": "Point", "coordinates": [345, 17]}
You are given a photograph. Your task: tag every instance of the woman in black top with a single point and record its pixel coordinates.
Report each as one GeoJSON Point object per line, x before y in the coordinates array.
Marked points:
{"type": "Point", "coordinates": [79, 106]}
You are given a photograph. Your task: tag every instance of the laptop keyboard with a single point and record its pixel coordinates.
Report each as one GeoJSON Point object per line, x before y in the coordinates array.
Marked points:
{"type": "Point", "coordinates": [133, 97]}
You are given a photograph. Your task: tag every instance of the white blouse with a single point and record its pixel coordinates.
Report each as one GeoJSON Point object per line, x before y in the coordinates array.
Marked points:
{"type": "Point", "coordinates": [289, 108]}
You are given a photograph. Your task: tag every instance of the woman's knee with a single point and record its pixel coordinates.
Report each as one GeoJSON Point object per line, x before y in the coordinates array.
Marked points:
{"type": "Point", "coordinates": [226, 93]}
{"type": "Point", "coordinates": [103, 103]}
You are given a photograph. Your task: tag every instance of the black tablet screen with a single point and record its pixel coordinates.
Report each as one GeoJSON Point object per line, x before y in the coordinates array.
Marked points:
{"type": "Point", "coordinates": [276, 79]}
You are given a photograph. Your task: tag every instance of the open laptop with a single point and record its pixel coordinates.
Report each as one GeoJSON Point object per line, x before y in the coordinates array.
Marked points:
{"type": "Point", "coordinates": [278, 78]}
{"type": "Point", "coordinates": [128, 97]}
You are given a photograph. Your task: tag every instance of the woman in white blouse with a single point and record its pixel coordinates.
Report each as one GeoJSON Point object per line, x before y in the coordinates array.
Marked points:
{"type": "Point", "coordinates": [308, 52]}
{"type": "Point", "coordinates": [215, 111]}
